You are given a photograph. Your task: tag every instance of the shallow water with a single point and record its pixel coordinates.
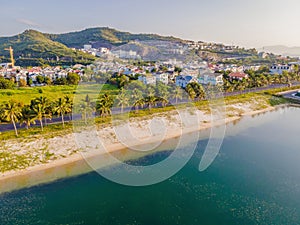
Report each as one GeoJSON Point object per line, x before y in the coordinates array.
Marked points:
{"type": "Point", "coordinates": [254, 180]}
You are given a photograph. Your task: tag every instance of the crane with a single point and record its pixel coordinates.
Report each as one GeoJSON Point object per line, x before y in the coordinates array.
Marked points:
{"type": "Point", "coordinates": [11, 52]}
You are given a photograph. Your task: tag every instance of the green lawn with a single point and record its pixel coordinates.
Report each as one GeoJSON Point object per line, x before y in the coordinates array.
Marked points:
{"type": "Point", "coordinates": [25, 95]}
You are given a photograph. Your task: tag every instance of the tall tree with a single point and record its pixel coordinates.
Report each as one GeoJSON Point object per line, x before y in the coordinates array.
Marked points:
{"type": "Point", "coordinates": [177, 94]}
{"type": "Point", "coordinates": [61, 108]}
{"type": "Point", "coordinates": [104, 105]}
{"type": "Point", "coordinates": [122, 99]}
{"type": "Point", "coordinates": [28, 116]}
{"type": "Point", "coordinates": [11, 112]}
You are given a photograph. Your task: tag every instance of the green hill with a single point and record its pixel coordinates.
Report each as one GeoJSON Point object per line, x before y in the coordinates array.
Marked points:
{"type": "Point", "coordinates": [33, 45]}
{"type": "Point", "coordinates": [35, 48]}
{"type": "Point", "coordinates": [106, 36]}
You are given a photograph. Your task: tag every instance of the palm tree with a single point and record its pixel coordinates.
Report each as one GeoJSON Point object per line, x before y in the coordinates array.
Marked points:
{"type": "Point", "coordinates": [191, 92]}
{"type": "Point", "coordinates": [11, 112]}
{"type": "Point", "coordinates": [27, 117]}
{"type": "Point", "coordinates": [69, 103]}
{"type": "Point", "coordinates": [137, 98]}
{"type": "Point", "coordinates": [45, 106]}
{"type": "Point", "coordinates": [122, 99]}
{"type": "Point", "coordinates": [177, 94]}
{"type": "Point", "coordinates": [104, 105]}
{"type": "Point", "coordinates": [138, 104]}
{"type": "Point", "coordinates": [61, 108]}
{"type": "Point", "coordinates": [85, 110]}
{"type": "Point", "coordinates": [39, 111]}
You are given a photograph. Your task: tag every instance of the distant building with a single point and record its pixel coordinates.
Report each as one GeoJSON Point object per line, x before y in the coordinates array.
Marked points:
{"type": "Point", "coordinates": [162, 77]}
{"type": "Point", "coordinates": [278, 69]}
{"type": "Point", "coordinates": [126, 54]}
{"type": "Point", "coordinates": [211, 78]}
{"type": "Point", "coordinates": [87, 47]}
{"type": "Point", "coordinates": [147, 79]}
{"type": "Point", "coordinates": [184, 80]}
{"type": "Point", "coordinates": [238, 76]}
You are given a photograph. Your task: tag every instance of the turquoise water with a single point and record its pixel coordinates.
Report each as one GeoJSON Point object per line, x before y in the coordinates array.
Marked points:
{"type": "Point", "coordinates": [254, 180]}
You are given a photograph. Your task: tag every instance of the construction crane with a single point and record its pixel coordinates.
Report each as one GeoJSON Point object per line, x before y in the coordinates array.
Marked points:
{"type": "Point", "coordinates": [11, 52]}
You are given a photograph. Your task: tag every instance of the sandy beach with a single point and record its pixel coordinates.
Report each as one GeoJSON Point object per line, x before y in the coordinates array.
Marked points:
{"type": "Point", "coordinates": [66, 158]}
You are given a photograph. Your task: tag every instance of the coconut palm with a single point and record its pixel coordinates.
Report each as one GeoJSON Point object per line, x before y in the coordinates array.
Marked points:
{"type": "Point", "coordinates": [177, 94]}
{"type": "Point", "coordinates": [69, 103]}
{"type": "Point", "coordinates": [139, 104]}
{"type": "Point", "coordinates": [28, 116]}
{"type": "Point", "coordinates": [61, 108]}
{"type": "Point", "coordinates": [122, 99]}
{"type": "Point", "coordinates": [11, 112]}
{"type": "Point", "coordinates": [45, 106]}
{"type": "Point", "coordinates": [104, 105]}
{"type": "Point", "coordinates": [39, 111]}
{"type": "Point", "coordinates": [137, 98]}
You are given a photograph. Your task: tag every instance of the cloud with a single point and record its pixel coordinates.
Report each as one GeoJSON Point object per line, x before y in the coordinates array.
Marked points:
{"type": "Point", "coordinates": [28, 22]}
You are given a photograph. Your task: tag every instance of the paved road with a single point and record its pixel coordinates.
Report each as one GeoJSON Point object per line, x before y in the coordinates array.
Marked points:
{"type": "Point", "coordinates": [57, 120]}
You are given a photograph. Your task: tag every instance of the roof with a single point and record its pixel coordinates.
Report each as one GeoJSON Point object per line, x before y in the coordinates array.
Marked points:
{"type": "Point", "coordinates": [238, 74]}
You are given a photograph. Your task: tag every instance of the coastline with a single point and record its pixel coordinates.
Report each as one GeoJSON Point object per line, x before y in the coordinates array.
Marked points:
{"type": "Point", "coordinates": [76, 165]}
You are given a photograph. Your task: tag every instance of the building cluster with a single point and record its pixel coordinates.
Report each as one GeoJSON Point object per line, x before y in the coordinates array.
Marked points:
{"type": "Point", "coordinates": [53, 73]}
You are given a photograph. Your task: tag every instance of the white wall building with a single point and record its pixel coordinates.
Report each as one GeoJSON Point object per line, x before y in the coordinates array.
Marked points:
{"type": "Point", "coordinates": [162, 77]}
{"type": "Point", "coordinates": [278, 69]}
{"type": "Point", "coordinates": [211, 78]}
{"type": "Point", "coordinates": [147, 79]}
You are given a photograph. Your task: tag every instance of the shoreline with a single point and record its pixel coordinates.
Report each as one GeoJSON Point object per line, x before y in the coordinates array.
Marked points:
{"type": "Point", "coordinates": [76, 165]}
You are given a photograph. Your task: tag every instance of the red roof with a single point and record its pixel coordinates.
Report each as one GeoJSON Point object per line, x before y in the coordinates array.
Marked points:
{"type": "Point", "coordinates": [238, 74]}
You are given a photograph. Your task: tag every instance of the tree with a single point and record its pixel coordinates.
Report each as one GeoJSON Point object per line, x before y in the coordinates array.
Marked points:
{"type": "Point", "coordinates": [137, 98]}
{"type": "Point", "coordinates": [28, 116]}
{"type": "Point", "coordinates": [73, 78]}
{"type": "Point", "coordinates": [22, 83]}
{"type": "Point", "coordinates": [69, 103]}
{"type": "Point", "coordinates": [42, 108]}
{"type": "Point", "coordinates": [48, 81]}
{"type": "Point", "coordinates": [61, 108]}
{"type": "Point", "coordinates": [39, 112]}
{"type": "Point", "coordinates": [122, 99]}
{"type": "Point", "coordinates": [162, 91]}
{"type": "Point", "coordinates": [177, 94]}
{"type": "Point", "coordinates": [6, 84]}
{"type": "Point", "coordinates": [40, 79]}
{"type": "Point", "coordinates": [104, 105]}
{"type": "Point", "coordinates": [11, 112]}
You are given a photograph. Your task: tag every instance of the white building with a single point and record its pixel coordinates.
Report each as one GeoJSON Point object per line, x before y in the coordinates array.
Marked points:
{"type": "Point", "coordinates": [211, 78]}
{"type": "Point", "coordinates": [147, 79]}
{"type": "Point", "coordinates": [87, 47]}
{"type": "Point", "coordinates": [126, 54]}
{"type": "Point", "coordinates": [278, 69]}
{"type": "Point", "coordinates": [162, 77]}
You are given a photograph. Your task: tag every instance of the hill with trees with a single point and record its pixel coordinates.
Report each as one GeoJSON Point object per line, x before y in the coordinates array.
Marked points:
{"type": "Point", "coordinates": [34, 47]}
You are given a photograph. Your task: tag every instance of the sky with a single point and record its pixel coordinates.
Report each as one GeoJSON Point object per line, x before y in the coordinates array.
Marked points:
{"type": "Point", "coordinates": [248, 23]}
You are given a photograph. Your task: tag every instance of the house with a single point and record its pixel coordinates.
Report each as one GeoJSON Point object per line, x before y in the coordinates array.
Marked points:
{"type": "Point", "coordinates": [278, 69]}
{"type": "Point", "coordinates": [184, 80]}
{"type": "Point", "coordinates": [162, 77]}
{"type": "Point", "coordinates": [238, 76]}
{"type": "Point", "coordinates": [211, 78]}
{"type": "Point", "coordinates": [147, 79]}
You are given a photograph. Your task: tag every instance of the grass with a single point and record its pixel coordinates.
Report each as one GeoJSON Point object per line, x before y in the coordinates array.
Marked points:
{"type": "Point", "coordinates": [25, 95]}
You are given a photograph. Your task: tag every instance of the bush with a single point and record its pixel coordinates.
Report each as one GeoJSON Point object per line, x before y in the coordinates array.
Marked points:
{"type": "Point", "coordinates": [6, 84]}
{"type": "Point", "coordinates": [73, 78]}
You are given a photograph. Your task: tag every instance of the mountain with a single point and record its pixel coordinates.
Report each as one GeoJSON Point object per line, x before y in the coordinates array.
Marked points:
{"type": "Point", "coordinates": [105, 36]}
{"type": "Point", "coordinates": [32, 44]}
{"type": "Point", "coordinates": [33, 47]}
{"type": "Point", "coordinates": [282, 50]}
